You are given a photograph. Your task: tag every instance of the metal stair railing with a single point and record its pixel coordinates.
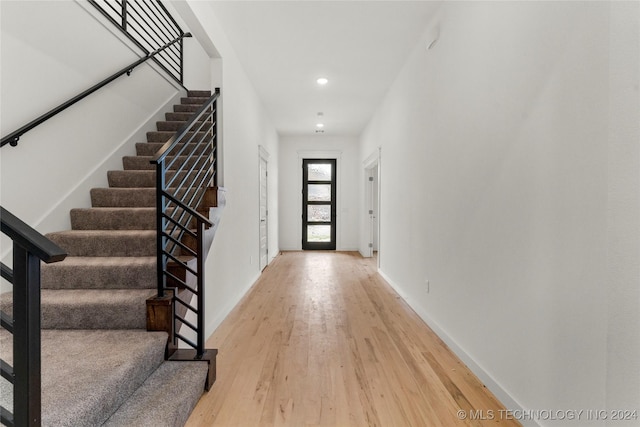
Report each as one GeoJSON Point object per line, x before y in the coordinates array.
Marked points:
{"type": "Point", "coordinates": [185, 168]}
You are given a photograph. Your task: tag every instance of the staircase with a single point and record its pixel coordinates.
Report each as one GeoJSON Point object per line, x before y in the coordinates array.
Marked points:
{"type": "Point", "coordinates": [100, 366]}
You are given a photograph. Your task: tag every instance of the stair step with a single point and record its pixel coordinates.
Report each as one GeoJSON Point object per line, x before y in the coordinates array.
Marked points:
{"type": "Point", "coordinates": [138, 163]}
{"type": "Point", "coordinates": [88, 374]}
{"type": "Point", "coordinates": [141, 178]}
{"type": "Point", "coordinates": [129, 179]}
{"type": "Point", "coordinates": [172, 126]}
{"type": "Point", "coordinates": [176, 125]}
{"type": "Point", "coordinates": [194, 100]}
{"type": "Point", "coordinates": [199, 93]}
{"type": "Point", "coordinates": [149, 405]}
{"type": "Point", "coordinates": [144, 162]}
{"type": "Point", "coordinates": [148, 148]}
{"type": "Point", "coordinates": [123, 197]}
{"type": "Point", "coordinates": [180, 117]}
{"type": "Point", "coordinates": [118, 243]}
{"type": "Point", "coordinates": [177, 117]}
{"type": "Point", "coordinates": [182, 108]}
{"type": "Point", "coordinates": [100, 273]}
{"type": "Point", "coordinates": [151, 148]}
{"type": "Point", "coordinates": [89, 308]}
{"type": "Point", "coordinates": [164, 136]}
{"type": "Point", "coordinates": [113, 219]}
{"type": "Point", "coordinates": [127, 197]}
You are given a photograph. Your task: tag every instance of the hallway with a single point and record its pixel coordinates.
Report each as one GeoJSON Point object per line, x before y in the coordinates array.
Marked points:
{"type": "Point", "coordinates": [322, 339]}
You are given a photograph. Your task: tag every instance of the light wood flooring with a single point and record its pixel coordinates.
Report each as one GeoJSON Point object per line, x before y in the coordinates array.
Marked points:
{"type": "Point", "coordinates": [323, 340]}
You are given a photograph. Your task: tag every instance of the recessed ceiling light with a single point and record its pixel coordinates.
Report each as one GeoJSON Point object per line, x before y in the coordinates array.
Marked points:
{"type": "Point", "coordinates": [322, 81]}
{"type": "Point", "coordinates": [320, 125]}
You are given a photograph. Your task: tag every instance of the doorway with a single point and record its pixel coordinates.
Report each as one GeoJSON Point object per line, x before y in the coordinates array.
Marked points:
{"type": "Point", "coordinates": [373, 210]}
{"type": "Point", "coordinates": [264, 212]}
{"type": "Point", "coordinates": [370, 242]}
{"type": "Point", "coordinates": [319, 204]}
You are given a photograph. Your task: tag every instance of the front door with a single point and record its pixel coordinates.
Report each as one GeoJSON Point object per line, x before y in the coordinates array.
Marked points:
{"type": "Point", "coordinates": [319, 204]}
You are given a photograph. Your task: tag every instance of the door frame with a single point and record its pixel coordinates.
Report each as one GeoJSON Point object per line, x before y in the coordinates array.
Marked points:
{"type": "Point", "coordinates": [332, 244]}
{"type": "Point", "coordinates": [320, 154]}
{"type": "Point", "coordinates": [369, 165]}
{"type": "Point", "coordinates": [263, 155]}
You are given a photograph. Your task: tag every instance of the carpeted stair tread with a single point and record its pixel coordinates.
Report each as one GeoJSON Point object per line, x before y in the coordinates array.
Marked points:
{"type": "Point", "coordinates": [177, 117]}
{"type": "Point", "coordinates": [88, 374]}
{"type": "Point", "coordinates": [164, 136]}
{"type": "Point", "coordinates": [185, 108]}
{"type": "Point", "coordinates": [181, 117]}
{"type": "Point", "coordinates": [131, 178]}
{"type": "Point", "coordinates": [114, 218]}
{"type": "Point", "coordinates": [6, 395]}
{"type": "Point", "coordinates": [199, 93]}
{"type": "Point", "coordinates": [138, 163]}
{"type": "Point", "coordinates": [89, 308]}
{"type": "Point", "coordinates": [194, 100]}
{"type": "Point", "coordinates": [148, 148]}
{"type": "Point", "coordinates": [100, 273]}
{"type": "Point", "coordinates": [149, 405]}
{"type": "Point", "coordinates": [141, 178]}
{"type": "Point", "coordinates": [169, 126]}
{"type": "Point", "coordinates": [178, 122]}
{"type": "Point", "coordinates": [144, 162]}
{"type": "Point", "coordinates": [151, 148]}
{"type": "Point", "coordinates": [123, 197]}
{"type": "Point", "coordinates": [118, 243]}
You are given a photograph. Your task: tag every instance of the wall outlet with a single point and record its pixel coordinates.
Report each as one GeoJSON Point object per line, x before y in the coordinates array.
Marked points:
{"type": "Point", "coordinates": [426, 282]}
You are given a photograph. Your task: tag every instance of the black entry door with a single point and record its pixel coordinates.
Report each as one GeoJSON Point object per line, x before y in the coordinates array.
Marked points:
{"type": "Point", "coordinates": [319, 204]}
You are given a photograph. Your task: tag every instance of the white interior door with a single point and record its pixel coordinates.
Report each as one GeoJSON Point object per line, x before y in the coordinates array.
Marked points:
{"type": "Point", "coordinates": [371, 204]}
{"type": "Point", "coordinates": [264, 215]}
{"type": "Point", "coordinates": [374, 207]}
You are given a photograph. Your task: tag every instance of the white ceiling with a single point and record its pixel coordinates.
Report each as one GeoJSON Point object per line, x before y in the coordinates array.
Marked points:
{"type": "Point", "coordinates": [359, 46]}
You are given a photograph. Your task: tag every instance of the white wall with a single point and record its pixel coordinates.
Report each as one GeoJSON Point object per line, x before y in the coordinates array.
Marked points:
{"type": "Point", "coordinates": [292, 151]}
{"type": "Point", "coordinates": [232, 266]}
{"type": "Point", "coordinates": [507, 185]}
{"type": "Point", "coordinates": [623, 210]}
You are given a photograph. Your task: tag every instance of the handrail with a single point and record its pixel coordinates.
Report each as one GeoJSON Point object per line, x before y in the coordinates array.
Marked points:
{"type": "Point", "coordinates": [13, 138]}
{"type": "Point", "coordinates": [29, 248]}
{"type": "Point", "coordinates": [193, 154]}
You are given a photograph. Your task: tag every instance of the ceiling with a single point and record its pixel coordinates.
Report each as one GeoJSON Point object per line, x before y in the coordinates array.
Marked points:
{"type": "Point", "coordinates": [285, 46]}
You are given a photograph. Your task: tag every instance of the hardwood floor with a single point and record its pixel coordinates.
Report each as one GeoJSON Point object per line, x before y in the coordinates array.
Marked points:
{"type": "Point", "coordinates": [323, 340]}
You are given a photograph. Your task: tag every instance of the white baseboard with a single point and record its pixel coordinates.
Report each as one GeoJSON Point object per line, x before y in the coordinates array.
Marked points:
{"type": "Point", "coordinates": [363, 255]}
{"type": "Point", "coordinates": [222, 314]}
{"type": "Point", "coordinates": [502, 395]}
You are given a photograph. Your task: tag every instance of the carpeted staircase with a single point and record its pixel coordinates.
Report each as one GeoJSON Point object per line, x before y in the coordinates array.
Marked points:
{"type": "Point", "coordinates": [99, 364]}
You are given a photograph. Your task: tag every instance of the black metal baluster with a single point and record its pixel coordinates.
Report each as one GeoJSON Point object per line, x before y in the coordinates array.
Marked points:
{"type": "Point", "coordinates": [26, 337]}
{"type": "Point", "coordinates": [124, 15]}
{"type": "Point", "coordinates": [181, 62]}
{"type": "Point", "coordinates": [200, 296]}
{"type": "Point", "coordinates": [160, 223]}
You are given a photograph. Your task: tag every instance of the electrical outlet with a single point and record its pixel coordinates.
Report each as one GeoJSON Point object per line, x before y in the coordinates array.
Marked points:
{"type": "Point", "coordinates": [426, 282]}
